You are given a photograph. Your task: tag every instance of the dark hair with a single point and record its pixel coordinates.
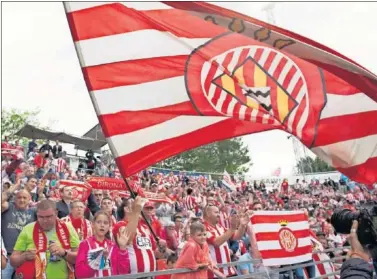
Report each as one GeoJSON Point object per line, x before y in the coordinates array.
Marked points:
{"type": "Point", "coordinates": [31, 177]}
{"type": "Point", "coordinates": [177, 216]}
{"type": "Point", "coordinates": [120, 209]}
{"type": "Point", "coordinates": [172, 258]}
{"type": "Point", "coordinates": [106, 198]}
{"type": "Point", "coordinates": [255, 203]}
{"type": "Point", "coordinates": [189, 191]}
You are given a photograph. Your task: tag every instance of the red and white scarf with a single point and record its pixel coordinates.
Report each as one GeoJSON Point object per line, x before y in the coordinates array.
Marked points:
{"type": "Point", "coordinates": [81, 226]}
{"type": "Point", "coordinates": [40, 242]}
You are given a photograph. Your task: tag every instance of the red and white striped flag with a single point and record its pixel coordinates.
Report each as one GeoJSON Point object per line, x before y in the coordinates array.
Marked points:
{"type": "Point", "coordinates": [282, 237]}
{"type": "Point", "coordinates": [165, 77]}
{"type": "Point", "coordinates": [322, 268]}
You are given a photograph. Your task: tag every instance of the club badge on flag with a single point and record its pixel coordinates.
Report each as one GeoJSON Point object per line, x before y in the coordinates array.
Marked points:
{"type": "Point", "coordinates": [282, 237]}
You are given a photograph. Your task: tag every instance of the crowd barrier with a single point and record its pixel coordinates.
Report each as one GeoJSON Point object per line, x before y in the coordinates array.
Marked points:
{"type": "Point", "coordinates": [289, 269]}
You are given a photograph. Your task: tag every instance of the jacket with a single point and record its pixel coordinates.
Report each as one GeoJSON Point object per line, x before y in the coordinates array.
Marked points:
{"type": "Point", "coordinates": [356, 269]}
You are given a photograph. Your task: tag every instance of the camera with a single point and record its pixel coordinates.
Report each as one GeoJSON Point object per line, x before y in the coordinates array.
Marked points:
{"type": "Point", "coordinates": [367, 231]}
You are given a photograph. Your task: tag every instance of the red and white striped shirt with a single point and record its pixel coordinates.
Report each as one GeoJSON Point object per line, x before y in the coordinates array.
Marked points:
{"type": "Point", "coordinates": [350, 197]}
{"type": "Point", "coordinates": [60, 165]}
{"type": "Point", "coordinates": [141, 253]}
{"type": "Point", "coordinates": [190, 202]}
{"type": "Point", "coordinates": [220, 254]}
{"type": "Point", "coordinates": [224, 219]}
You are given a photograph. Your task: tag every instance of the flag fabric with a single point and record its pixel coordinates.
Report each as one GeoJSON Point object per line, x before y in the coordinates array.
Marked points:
{"type": "Point", "coordinates": [322, 268]}
{"type": "Point", "coordinates": [276, 172]}
{"type": "Point", "coordinates": [282, 237]}
{"type": "Point", "coordinates": [228, 183]}
{"type": "Point", "coordinates": [168, 77]}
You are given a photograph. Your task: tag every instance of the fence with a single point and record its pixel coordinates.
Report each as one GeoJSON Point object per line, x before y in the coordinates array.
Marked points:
{"type": "Point", "coordinates": [289, 269]}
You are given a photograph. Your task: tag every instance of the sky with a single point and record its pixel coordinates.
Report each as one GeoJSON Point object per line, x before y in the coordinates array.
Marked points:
{"type": "Point", "coordinates": [40, 68]}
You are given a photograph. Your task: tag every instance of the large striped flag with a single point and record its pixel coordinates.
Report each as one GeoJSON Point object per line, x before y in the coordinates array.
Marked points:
{"type": "Point", "coordinates": [282, 237]}
{"type": "Point", "coordinates": [168, 77]}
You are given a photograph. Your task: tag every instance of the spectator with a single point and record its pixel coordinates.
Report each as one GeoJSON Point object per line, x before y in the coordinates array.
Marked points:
{"type": "Point", "coordinates": [217, 237]}
{"type": "Point", "coordinates": [115, 256]}
{"type": "Point", "coordinates": [18, 146]}
{"type": "Point", "coordinates": [246, 268]}
{"type": "Point", "coordinates": [169, 263]}
{"type": "Point", "coordinates": [149, 213]}
{"type": "Point", "coordinates": [77, 219]}
{"type": "Point", "coordinates": [63, 206]}
{"type": "Point", "coordinates": [15, 215]}
{"type": "Point", "coordinates": [143, 250]}
{"type": "Point", "coordinates": [32, 249]}
{"type": "Point", "coordinates": [32, 146]}
{"type": "Point", "coordinates": [107, 206]}
{"type": "Point", "coordinates": [46, 148]}
{"type": "Point", "coordinates": [40, 162]}
{"type": "Point", "coordinates": [98, 196]}
{"type": "Point", "coordinates": [196, 255]}
{"type": "Point", "coordinates": [5, 143]}
{"type": "Point", "coordinates": [57, 149]}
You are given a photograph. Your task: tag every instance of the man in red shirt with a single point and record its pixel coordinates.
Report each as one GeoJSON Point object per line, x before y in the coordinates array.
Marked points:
{"type": "Point", "coordinates": [5, 143]}
{"type": "Point", "coordinates": [40, 163]}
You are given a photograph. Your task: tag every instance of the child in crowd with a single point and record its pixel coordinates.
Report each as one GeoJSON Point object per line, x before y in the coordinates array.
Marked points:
{"type": "Point", "coordinates": [164, 264]}
{"type": "Point", "coordinates": [195, 256]}
{"type": "Point", "coordinates": [98, 256]}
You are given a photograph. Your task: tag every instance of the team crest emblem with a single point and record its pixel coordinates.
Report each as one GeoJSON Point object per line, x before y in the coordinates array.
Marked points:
{"type": "Point", "coordinates": [287, 239]}
{"type": "Point", "coordinates": [235, 76]}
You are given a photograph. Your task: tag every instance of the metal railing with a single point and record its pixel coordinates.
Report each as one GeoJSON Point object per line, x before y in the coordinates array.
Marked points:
{"type": "Point", "coordinates": [290, 269]}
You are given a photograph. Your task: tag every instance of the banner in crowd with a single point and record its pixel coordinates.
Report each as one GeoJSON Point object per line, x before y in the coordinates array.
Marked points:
{"type": "Point", "coordinates": [113, 184]}
{"type": "Point", "coordinates": [220, 74]}
{"type": "Point", "coordinates": [80, 190]}
{"type": "Point", "coordinates": [119, 187]}
{"type": "Point", "coordinates": [282, 237]}
{"type": "Point", "coordinates": [153, 197]}
{"type": "Point", "coordinates": [176, 172]}
{"type": "Point", "coordinates": [228, 183]}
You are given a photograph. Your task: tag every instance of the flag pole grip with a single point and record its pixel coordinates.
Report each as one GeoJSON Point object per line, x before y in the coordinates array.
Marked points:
{"type": "Point", "coordinates": [133, 195]}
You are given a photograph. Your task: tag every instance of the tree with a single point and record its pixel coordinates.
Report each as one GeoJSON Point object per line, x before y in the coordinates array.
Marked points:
{"type": "Point", "coordinates": [310, 165]}
{"type": "Point", "coordinates": [231, 155]}
{"type": "Point", "coordinates": [13, 120]}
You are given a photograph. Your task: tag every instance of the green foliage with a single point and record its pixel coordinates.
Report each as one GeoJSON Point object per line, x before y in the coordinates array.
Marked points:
{"type": "Point", "coordinates": [12, 120]}
{"type": "Point", "coordinates": [231, 155]}
{"type": "Point", "coordinates": [310, 165]}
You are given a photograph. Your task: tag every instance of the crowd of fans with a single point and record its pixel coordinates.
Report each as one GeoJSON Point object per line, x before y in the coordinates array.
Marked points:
{"type": "Point", "coordinates": [105, 235]}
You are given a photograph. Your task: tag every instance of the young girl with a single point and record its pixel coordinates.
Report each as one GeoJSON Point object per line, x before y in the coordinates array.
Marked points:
{"type": "Point", "coordinates": [98, 256]}
{"type": "Point", "coordinates": [195, 255]}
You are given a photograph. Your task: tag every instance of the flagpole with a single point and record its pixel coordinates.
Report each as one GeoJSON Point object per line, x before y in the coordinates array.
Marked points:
{"type": "Point", "coordinates": [79, 56]}
{"type": "Point", "coordinates": [133, 195]}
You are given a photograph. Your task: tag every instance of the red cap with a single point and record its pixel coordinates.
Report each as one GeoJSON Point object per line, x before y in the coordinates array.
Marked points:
{"type": "Point", "coordinates": [117, 226]}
